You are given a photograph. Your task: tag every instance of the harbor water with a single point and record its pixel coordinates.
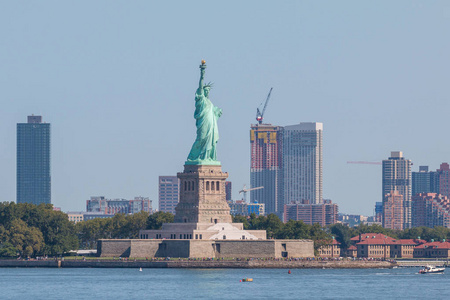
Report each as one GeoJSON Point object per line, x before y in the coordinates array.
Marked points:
{"type": "Point", "coordinates": [92, 283]}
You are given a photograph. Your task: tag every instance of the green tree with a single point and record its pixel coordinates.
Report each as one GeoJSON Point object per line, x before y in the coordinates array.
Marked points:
{"type": "Point", "coordinates": [156, 220]}
{"type": "Point", "coordinates": [26, 240]}
{"type": "Point", "coordinates": [272, 224]}
{"type": "Point", "coordinates": [342, 234]}
{"type": "Point", "coordinates": [7, 250]}
{"type": "Point", "coordinates": [241, 219]}
{"type": "Point", "coordinates": [58, 231]}
{"type": "Point", "coordinates": [135, 223]}
{"type": "Point", "coordinates": [294, 230]}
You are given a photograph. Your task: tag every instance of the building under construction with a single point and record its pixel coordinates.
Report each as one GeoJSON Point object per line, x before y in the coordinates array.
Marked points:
{"type": "Point", "coordinates": [265, 169]}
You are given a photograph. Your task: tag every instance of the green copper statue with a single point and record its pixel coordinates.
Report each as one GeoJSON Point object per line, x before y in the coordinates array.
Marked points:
{"type": "Point", "coordinates": [203, 151]}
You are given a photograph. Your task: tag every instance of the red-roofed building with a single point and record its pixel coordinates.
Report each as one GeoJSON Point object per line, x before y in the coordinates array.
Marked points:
{"type": "Point", "coordinates": [377, 245]}
{"type": "Point", "coordinates": [403, 248]}
{"type": "Point", "coordinates": [331, 250]}
{"type": "Point", "coordinates": [374, 248]}
{"type": "Point", "coordinates": [433, 250]}
{"type": "Point", "coordinates": [365, 236]}
{"type": "Point", "coordinates": [352, 251]}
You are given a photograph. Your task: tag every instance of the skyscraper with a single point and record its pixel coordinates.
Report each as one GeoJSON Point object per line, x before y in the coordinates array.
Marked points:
{"type": "Point", "coordinates": [228, 187]}
{"type": "Point", "coordinates": [302, 163]}
{"type": "Point", "coordinates": [33, 161]}
{"type": "Point", "coordinates": [169, 193]}
{"type": "Point", "coordinates": [444, 179]}
{"type": "Point", "coordinates": [393, 211]}
{"type": "Point", "coordinates": [430, 210]}
{"type": "Point", "coordinates": [397, 177]}
{"type": "Point", "coordinates": [265, 166]}
{"type": "Point", "coordinates": [424, 181]}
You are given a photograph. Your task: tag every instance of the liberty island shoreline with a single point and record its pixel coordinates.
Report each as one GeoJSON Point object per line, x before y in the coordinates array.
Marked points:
{"type": "Point", "coordinates": [202, 264]}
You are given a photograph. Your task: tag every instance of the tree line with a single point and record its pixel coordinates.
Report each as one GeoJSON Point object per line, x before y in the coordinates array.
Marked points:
{"type": "Point", "coordinates": [30, 230]}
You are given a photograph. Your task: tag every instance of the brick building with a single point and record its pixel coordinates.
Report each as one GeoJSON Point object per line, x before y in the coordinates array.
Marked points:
{"type": "Point", "coordinates": [325, 213]}
{"type": "Point", "coordinates": [393, 211]}
{"type": "Point", "coordinates": [333, 249]}
{"type": "Point", "coordinates": [430, 210]}
{"type": "Point", "coordinates": [444, 179]}
{"type": "Point", "coordinates": [377, 245]}
{"type": "Point", "coordinates": [433, 250]}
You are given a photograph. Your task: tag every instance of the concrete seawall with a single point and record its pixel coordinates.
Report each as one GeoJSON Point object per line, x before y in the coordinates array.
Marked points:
{"type": "Point", "coordinates": [198, 264]}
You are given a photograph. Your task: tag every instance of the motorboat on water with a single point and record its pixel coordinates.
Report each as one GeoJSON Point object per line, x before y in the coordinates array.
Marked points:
{"type": "Point", "coordinates": [431, 269]}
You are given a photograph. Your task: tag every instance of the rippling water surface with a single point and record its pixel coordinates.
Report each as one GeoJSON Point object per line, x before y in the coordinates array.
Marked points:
{"type": "Point", "coordinates": [401, 283]}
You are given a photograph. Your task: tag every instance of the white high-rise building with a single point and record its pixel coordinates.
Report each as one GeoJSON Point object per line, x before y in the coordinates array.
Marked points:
{"type": "Point", "coordinates": [302, 163]}
{"type": "Point", "coordinates": [169, 193]}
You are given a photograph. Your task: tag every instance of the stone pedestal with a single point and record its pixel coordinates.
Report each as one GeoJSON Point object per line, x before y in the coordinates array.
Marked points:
{"type": "Point", "coordinates": [202, 195]}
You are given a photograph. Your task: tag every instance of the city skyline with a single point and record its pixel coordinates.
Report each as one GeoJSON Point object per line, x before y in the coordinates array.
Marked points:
{"type": "Point", "coordinates": [115, 88]}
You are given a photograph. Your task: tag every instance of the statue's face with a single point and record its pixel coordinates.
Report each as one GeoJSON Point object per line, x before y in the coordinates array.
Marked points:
{"type": "Point", "coordinates": [206, 91]}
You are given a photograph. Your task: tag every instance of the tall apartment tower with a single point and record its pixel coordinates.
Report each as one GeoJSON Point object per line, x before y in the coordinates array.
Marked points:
{"type": "Point", "coordinates": [33, 161]}
{"type": "Point", "coordinates": [169, 193]}
{"type": "Point", "coordinates": [393, 211]}
{"type": "Point", "coordinates": [265, 166]}
{"type": "Point", "coordinates": [397, 177]}
{"type": "Point", "coordinates": [302, 163]}
{"type": "Point", "coordinates": [424, 181]}
{"type": "Point", "coordinates": [228, 189]}
{"type": "Point", "coordinates": [444, 179]}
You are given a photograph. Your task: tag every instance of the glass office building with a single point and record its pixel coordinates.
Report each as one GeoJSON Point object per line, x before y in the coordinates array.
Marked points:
{"type": "Point", "coordinates": [33, 161]}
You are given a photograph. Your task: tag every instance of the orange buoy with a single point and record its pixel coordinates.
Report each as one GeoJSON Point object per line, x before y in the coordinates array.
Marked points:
{"type": "Point", "coordinates": [289, 272]}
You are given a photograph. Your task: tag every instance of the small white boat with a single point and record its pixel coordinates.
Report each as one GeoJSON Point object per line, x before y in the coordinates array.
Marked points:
{"type": "Point", "coordinates": [140, 269]}
{"type": "Point", "coordinates": [431, 269]}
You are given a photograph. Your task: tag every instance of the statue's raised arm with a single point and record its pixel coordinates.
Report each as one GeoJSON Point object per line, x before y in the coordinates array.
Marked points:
{"type": "Point", "coordinates": [202, 77]}
{"type": "Point", "coordinates": [203, 150]}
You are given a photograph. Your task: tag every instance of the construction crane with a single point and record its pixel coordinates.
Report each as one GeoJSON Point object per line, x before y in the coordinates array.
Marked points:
{"type": "Point", "coordinates": [365, 162]}
{"type": "Point", "coordinates": [245, 190]}
{"type": "Point", "coordinates": [259, 114]}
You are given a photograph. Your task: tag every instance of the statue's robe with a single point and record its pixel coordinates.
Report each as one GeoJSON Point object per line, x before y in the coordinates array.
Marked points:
{"type": "Point", "coordinates": [206, 115]}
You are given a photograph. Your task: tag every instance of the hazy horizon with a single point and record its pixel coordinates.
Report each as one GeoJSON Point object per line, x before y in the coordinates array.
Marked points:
{"type": "Point", "coordinates": [116, 80]}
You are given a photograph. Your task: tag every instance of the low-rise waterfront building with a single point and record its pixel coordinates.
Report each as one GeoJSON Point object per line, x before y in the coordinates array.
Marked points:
{"type": "Point", "coordinates": [433, 250]}
{"type": "Point", "coordinates": [352, 251]}
{"type": "Point", "coordinates": [377, 245]}
{"type": "Point", "coordinates": [332, 249]}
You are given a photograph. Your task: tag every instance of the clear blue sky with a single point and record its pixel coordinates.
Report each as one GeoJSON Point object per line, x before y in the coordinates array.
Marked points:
{"type": "Point", "coordinates": [116, 79]}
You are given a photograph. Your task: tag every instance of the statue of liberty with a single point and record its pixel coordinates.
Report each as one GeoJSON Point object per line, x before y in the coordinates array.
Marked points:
{"type": "Point", "coordinates": [203, 151]}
